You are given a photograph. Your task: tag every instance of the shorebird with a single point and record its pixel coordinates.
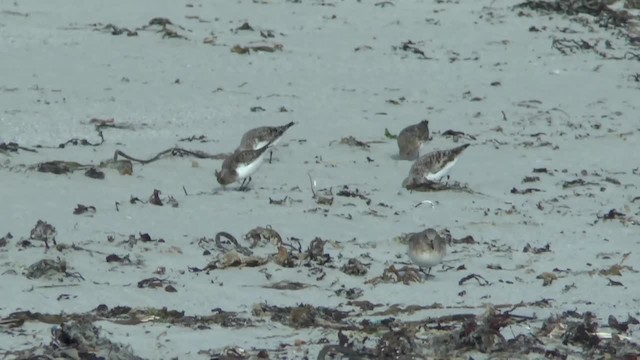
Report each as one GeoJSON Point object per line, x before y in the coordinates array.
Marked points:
{"type": "Point", "coordinates": [427, 248]}
{"type": "Point", "coordinates": [433, 166]}
{"type": "Point", "coordinates": [411, 139]}
{"type": "Point", "coordinates": [255, 139]}
{"type": "Point", "coordinates": [241, 165]}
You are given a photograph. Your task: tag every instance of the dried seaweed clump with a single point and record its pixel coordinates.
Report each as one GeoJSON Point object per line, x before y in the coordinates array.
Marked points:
{"type": "Point", "coordinates": [599, 9]}
{"type": "Point", "coordinates": [44, 231]}
{"type": "Point", "coordinates": [302, 316]}
{"type": "Point", "coordinates": [583, 331]}
{"type": "Point", "coordinates": [46, 268]}
{"type": "Point", "coordinates": [77, 340]}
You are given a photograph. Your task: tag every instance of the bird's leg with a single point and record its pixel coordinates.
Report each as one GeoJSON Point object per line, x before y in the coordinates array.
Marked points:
{"type": "Point", "coordinates": [245, 184]}
{"type": "Point", "coordinates": [426, 273]}
{"type": "Point", "coordinates": [270, 155]}
{"type": "Point", "coordinates": [242, 186]}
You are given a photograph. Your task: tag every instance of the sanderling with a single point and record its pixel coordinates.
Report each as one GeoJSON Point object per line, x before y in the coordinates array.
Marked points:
{"type": "Point", "coordinates": [255, 139]}
{"type": "Point", "coordinates": [240, 165]}
{"type": "Point", "coordinates": [427, 248]}
{"type": "Point", "coordinates": [433, 166]}
{"type": "Point", "coordinates": [411, 139]}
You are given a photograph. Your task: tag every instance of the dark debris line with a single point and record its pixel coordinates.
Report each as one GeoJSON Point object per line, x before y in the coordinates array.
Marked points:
{"type": "Point", "coordinates": [450, 335]}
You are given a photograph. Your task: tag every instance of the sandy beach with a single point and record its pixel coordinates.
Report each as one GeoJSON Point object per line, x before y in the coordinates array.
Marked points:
{"type": "Point", "coordinates": [547, 227]}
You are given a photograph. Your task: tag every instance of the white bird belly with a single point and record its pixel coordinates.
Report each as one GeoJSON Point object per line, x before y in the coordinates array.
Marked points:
{"type": "Point", "coordinates": [426, 259]}
{"type": "Point", "coordinates": [245, 170]}
{"type": "Point", "coordinates": [442, 172]}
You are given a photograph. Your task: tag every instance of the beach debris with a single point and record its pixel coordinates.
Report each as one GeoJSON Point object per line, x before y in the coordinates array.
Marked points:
{"type": "Point", "coordinates": [391, 275]}
{"type": "Point", "coordinates": [614, 214]}
{"type": "Point", "coordinates": [352, 141]}
{"type": "Point", "coordinates": [119, 259]}
{"type": "Point", "coordinates": [229, 244]}
{"type": "Point", "coordinates": [284, 258]}
{"type": "Point", "coordinates": [5, 239]}
{"type": "Point", "coordinates": [84, 210]}
{"type": "Point", "coordinates": [260, 236]}
{"type": "Point", "coordinates": [174, 151]}
{"type": "Point", "coordinates": [302, 316]}
{"type": "Point", "coordinates": [59, 167]}
{"type": "Point", "coordinates": [605, 15]}
{"type": "Point", "coordinates": [167, 28]}
{"type": "Point", "coordinates": [614, 283]}
{"type": "Point", "coordinates": [481, 280]}
{"type": "Point", "coordinates": [43, 231]}
{"type": "Point", "coordinates": [468, 239]}
{"type": "Point", "coordinates": [524, 191]}
{"type": "Point", "coordinates": [362, 48]}
{"type": "Point", "coordinates": [622, 326]}
{"type": "Point", "coordinates": [316, 253]}
{"type": "Point", "coordinates": [477, 333]}
{"type": "Point", "coordinates": [577, 182]}
{"type": "Point", "coordinates": [94, 173]}
{"type": "Point", "coordinates": [547, 278]}
{"type": "Point", "coordinates": [132, 240]}
{"type": "Point", "coordinates": [233, 352]}
{"type": "Point", "coordinates": [244, 27]}
{"type": "Point", "coordinates": [399, 101]}
{"type": "Point", "coordinates": [457, 135]}
{"type": "Point", "coordinates": [50, 269]}
{"type": "Point", "coordinates": [267, 34]}
{"type": "Point", "coordinates": [134, 200]}
{"type": "Point", "coordinates": [124, 167]}
{"type": "Point", "coordinates": [332, 351]}
{"type": "Point", "coordinates": [354, 267]}
{"type": "Point", "coordinates": [282, 201]}
{"type": "Point", "coordinates": [351, 293]}
{"type": "Point", "coordinates": [287, 285]}
{"type": "Point", "coordinates": [323, 196]}
{"type": "Point", "coordinates": [566, 46]}
{"type": "Point", "coordinates": [399, 343]}
{"type": "Point", "coordinates": [389, 135]}
{"type": "Point", "coordinates": [257, 47]}
{"type": "Point", "coordinates": [534, 250]}
{"type": "Point", "coordinates": [154, 283]}
{"type": "Point", "coordinates": [78, 336]}
{"type": "Point", "coordinates": [257, 109]}
{"type": "Point", "coordinates": [13, 147]}
{"type": "Point", "coordinates": [199, 138]}
{"type": "Point", "coordinates": [615, 269]}
{"type": "Point", "coordinates": [346, 192]}
{"type": "Point", "coordinates": [383, 4]}
{"type": "Point", "coordinates": [84, 338]}
{"type": "Point", "coordinates": [114, 30]}
{"type": "Point", "coordinates": [424, 185]}
{"type": "Point", "coordinates": [110, 123]}
{"type": "Point", "coordinates": [154, 199]}
{"type": "Point", "coordinates": [82, 142]}
{"type": "Point", "coordinates": [411, 47]}
{"type": "Point", "coordinates": [230, 251]}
